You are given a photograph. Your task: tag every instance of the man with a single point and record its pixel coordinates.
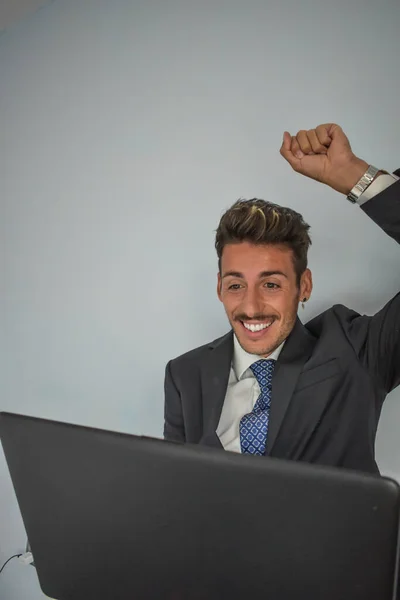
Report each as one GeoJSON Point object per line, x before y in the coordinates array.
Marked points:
{"type": "Point", "coordinates": [272, 385]}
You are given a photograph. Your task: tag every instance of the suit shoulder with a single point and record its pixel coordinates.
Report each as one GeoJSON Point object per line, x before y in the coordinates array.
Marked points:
{"type": "Point", "coordinates": [197, 354]}
{"type": "Point", "coordinates": [338, 315]}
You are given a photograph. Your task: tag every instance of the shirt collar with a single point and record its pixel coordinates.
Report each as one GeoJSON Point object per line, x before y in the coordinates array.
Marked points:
{"type": "Point", "coordinates": [242, 359]}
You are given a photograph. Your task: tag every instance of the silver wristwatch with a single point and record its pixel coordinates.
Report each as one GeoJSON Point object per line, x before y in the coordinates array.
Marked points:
{"type": "Point", "coordinates": [362, 185]}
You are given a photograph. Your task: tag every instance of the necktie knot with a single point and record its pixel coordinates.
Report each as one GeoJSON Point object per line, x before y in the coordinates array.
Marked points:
{"type": "Point", "coordinates": [263, 370]}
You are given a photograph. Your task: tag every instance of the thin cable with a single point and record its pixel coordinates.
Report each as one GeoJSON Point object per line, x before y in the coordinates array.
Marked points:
{"type": "Point", "coordinates": [8, 560]}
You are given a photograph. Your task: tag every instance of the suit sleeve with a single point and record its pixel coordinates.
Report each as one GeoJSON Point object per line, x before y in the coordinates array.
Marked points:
{"type": "Point", "coordinates": [174, 429]}
{"type": "Point", "coordinates": [377, 339]}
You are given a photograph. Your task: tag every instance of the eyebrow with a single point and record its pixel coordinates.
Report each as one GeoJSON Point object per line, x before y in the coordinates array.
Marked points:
{"type": "Point", "coordinates": [261, 275]}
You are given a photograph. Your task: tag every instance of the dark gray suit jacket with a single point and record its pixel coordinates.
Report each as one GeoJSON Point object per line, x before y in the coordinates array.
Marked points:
{"type": "Point", "coordinates": [329, 383]}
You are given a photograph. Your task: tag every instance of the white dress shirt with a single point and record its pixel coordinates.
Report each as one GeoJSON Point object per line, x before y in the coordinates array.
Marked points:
{"type": "Point", "coordinates": [241, 395]}
{"type": "Point", "coordinates": [381, 183]}
{"type": "Point", "coordinates": [243, 390]}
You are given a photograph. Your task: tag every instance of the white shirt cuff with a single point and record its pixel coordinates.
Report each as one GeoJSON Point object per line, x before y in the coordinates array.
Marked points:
{"type": "Point", "coordinates": [381, 183]}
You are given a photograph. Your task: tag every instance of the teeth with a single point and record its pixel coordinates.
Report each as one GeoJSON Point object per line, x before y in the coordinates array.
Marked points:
{"type": "Point", "coordinates": [256, 327]}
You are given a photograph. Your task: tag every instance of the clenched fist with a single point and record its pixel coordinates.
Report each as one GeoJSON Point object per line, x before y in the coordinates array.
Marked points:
{"type": "Point", "coordinates": [324, 154]}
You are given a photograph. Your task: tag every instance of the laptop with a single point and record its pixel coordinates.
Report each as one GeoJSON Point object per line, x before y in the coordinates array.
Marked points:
{"type": "Point", "coordinates": [111, 516]}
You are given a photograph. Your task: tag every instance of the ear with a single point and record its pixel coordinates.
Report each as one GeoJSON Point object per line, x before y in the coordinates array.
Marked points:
{"type": "Point", "coordinates": [219, 287]}
{"type": "Point", "coordinates": [306, 285]}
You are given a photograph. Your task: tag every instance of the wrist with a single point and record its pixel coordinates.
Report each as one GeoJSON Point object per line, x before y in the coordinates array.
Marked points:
{"type": "Point", "coordinates": [350, 175]}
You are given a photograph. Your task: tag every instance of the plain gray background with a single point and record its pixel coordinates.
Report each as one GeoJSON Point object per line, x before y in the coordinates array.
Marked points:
{"type": "Point", "coordinates": [127, 127]}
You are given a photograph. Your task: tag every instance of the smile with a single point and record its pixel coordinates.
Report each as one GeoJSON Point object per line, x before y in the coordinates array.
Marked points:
{"type": "Point", "coordinates": [254, 331]}
{"type": "Point", "coordinates": [253, 327]}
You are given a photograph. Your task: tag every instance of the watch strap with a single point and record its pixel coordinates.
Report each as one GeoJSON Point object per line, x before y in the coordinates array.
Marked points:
{"type": "Point", "coordinates": [363, 183]}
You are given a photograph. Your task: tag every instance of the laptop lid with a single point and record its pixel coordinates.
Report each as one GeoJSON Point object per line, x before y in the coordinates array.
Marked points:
{"type": "Point", "coordinates": [111, 516]}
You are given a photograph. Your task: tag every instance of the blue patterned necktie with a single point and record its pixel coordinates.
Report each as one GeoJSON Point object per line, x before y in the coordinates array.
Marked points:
{"type": "Point", "coordinates": [253, 428]}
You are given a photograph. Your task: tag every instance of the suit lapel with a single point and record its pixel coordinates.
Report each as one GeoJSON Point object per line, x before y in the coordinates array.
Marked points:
{"type": "Point", "coordinates": [215, 375]}
{"type": "Point", "coordinates": [214, 381]}
{"type": "Point", "coordinates": [295, 353]}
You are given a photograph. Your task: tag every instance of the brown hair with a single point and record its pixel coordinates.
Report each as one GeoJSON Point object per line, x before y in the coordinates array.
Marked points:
{"type": "Point", "coordinates": [261, 222]}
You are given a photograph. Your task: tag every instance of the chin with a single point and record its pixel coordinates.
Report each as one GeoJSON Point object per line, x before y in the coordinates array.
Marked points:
{"type": "Point", "coordinates": [261, 347]}
{"type": "Point", "coordinates": [257, 349]}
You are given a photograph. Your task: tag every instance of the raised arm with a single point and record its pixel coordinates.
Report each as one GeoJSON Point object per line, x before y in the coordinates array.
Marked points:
{"type": "Point", "coordinates": [325, 154]}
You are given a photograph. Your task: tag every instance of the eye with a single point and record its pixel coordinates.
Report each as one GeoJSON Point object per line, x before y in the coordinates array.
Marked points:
{"type": "Point", "coordinates": [234, 286]}
{"type": "Point", "coordinates": [272, 286]}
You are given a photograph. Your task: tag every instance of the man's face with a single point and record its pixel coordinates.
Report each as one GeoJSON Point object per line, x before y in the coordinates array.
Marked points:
{"type": "Point", "coordinates": [258, 288]}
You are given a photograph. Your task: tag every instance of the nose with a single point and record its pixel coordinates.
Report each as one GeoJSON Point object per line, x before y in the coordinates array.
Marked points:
{"type": "Point", "coordinates": [252, 302]}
